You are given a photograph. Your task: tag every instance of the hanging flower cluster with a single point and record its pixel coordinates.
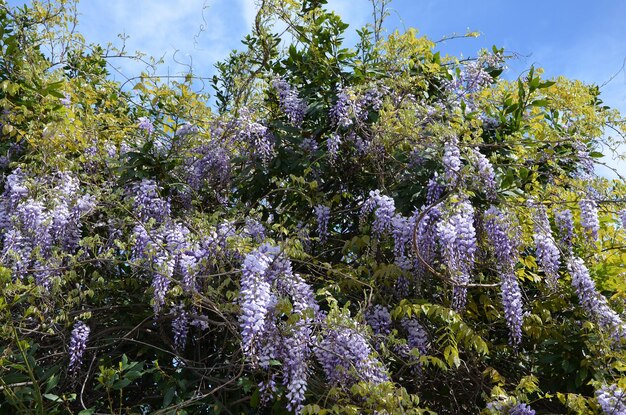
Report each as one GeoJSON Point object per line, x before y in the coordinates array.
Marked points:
{"type": "Point", "coordinates": [291, 104]}
{"type": "Point", "coordinates": [266, 278]}
{"type": "Point", "coordinates": [457, 239]}
{"type": "Point", "coordinates": [384, 209]}
{"type": "Point", "coordinates": [592, 301]}
{"type": "Point", "coordinates": [78, 345]}
{"type": "Point", "coordinates": [612, 399]}
{"type": "Point", "coordinates": [548, 255]}
{"type": "Point", "coordinates": [39, 234]}
{"type": "Point", "coordinates": [505, 252]}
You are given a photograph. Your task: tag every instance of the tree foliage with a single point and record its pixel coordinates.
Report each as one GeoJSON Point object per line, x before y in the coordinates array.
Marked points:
{"type": "Point", "coordinates": [335, 230]}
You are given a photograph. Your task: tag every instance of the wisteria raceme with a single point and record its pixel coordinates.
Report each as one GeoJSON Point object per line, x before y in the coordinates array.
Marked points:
{"type": "Point", "coordinates": [426, 238]}
{"type": "Point", "coordinates": [417, 336]}
{"type": "Point", "coordinates": [548, 255]}
{"type": "Point", "coordinates": [402, 230]}
{"type": "Point", "coordinates": [180, 326]}
{"type": "Point", "coordinates": [291, 104]}
{"type": "Point", "coordinates": [256, 136]}
{"type": "Point", "coordinates": [346, 357]}
{"type": "Point", "coordinates": [498, 230]}
{"type": "Point", "coordinates": [592, 301]}
{"type": "Point", "coordinates": [210, 166]}
{"type": "Point", "coordinates": [345, 108]}
{"type": "Point", "coordinates": [457, 239]}
{"type": "Point", "coordinates": [322, 213]}
{"type": "Point", "coordinates": [622, 217]}
{"type": "Point", "coordinates": [513, 307]}
{"type": "Point", "coordinates": [256, 299]}
{"type": "Point", "coordinates": [497, 227]}
{"type": "Point", "coordinates": [148, 203]}
{"type": "Point", "coordinates": [145, 124]}
{"type": "Point", "coordinates": [186, 129]}
{"type": "Point", "coordinates": [266, 277]}
{"type": "Point", "coordinates": [521, 409]}
{"type": "Point", "coordinates": [589, 217]}
{"type": "Point", "coordinates": [452, 162]}
{"type": "Point", "coordinates": [333, 142]}
{"type": "Point", "coordinates": [564, 221]}
{"type": "Point", "coordinates": [379, 319]}
{"type": "Point", "coordinates": [372, 99]}
{"type": "Point", "coordinates": [384, 209]}
{"type": "Point", "coordinates": [255, 229]}
{"type": "Point", "coordinates": [309, 145]}
{"type": "Point", "coordinates": [612, 399]}
{"type": "Point", "coordinates": [434, 190]}
{"type": "Point", "coordinates": [78, 345]}
{"type": "Point", "coordinates": [584, 160]}
{"type": "Point", "coordinates": [485, 171]}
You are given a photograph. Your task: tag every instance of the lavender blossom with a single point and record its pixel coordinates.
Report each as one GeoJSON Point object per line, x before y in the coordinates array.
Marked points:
{"type": "Point", "coordinates": [344, 109]}
{"type": "Point", "coordinates": [186, 129]}
{"type": "Point", "coordinates": [256, 136]}
{"type": "Point", "coordinates": [291, 104]}
{"type": "Point", "coordinates": [589, 217]}
{"type": "Point", "coordinates": [592, 301]}
{"type": "Point", "coordinates": [333, 143]}
{"type": "Point", "coordinates": [457, 239]}
{"type": "Point", "coordinates": [379, 319]}
{"type": "Point", "coordinates": [417, 336]}
{"type": "Point", "coordinates": [486, 175]}
{"type": "Point", "coordinates": [426, 238]}
{"type": "Point", "coordinates": [452, 162]}
{"type": "Point", "coordinates": [564, 221]}
{"type": "Point", "coordinates": [505, 251]}
{"type": "Point", "coordinates": [78, 345]}
{"type": "Point", "coordinates": [384, 210]}
{"type": "Point", "coordinates": [402, 230]}
{"type": "Point", "coordinates": [612, 399]}
{"type": "Point", "coordinates": [148, 204]}
{"type": "Point", "coordinates": [434, 190]}
{"type": "Point", "coordinates": [513, 307]}
{"type": "Point", "coordinates": [180, 326]}
{"type": "Point", "coordinates": [622, 217]}
{"type": "Point", "coordinates": [548, 255]}
{"type": "Point", "coordinates": [145, 124]}
{"type": "Point", "coordinates": [323, 215]}
{"type": "Point", "coordinates": [346, 357]}
{"type": "Point", "coordinates": [521, 409]}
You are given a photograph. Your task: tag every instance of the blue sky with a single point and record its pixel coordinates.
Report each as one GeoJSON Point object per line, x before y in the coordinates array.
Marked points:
{"type": "Point", "coordinates": [585, 40]}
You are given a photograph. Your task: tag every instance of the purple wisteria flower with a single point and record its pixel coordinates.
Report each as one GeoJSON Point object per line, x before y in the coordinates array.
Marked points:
{"type": "Point", "coordinates": [485, 172]}
{"type": "Point", "coordinates": [622, 217]}
{"type": "Point", "coordinates": [452, 162]}
{"type": "Point", "coordinates": [384, 209]}
{"type": "Point", "coordinates": [379, 319]}
{"type": "Point", "coordinates": [186, 129]}
{"type": "Point", "coordinates": [521, 409]}
{"type": "Point", "coordinates": [457, 239]}
{"type": "Point", "coordinates": [592, 301]}
{"type": "Point", "coordinates": [148, 203]}
{"type": "Point", "coordinates": [417, 336]}
{"type": "Point", "coordinates": [180, 326]}
{"type": "Point", "coordinates": [333, 142]}
{"type": "Point", "coordinates": [589, 217]}
{"type": "Point", "coordinates": [345, 108]}
{"type": "Point", "coordinates": [548, 255]}
{"type": "Point", "coordinates": [498, 229]}
{"type": "Point", "coordinates": [426, 238]}
{"type": "Point", "coordinates": [346, 357]}
{"type": "Point", "coordinates": [291, 104]}
{"type": "Point", "coordinates": [564, 221]}
{"type": "Point", "coordinates": [78, 345]}
{"type": "Point", "coordinates": [402, 231]}
{"type": "Point", "coordinates": [267, 277]}
{"type": "Point", "coordinates": [322, 213]}
{"type": "Point", "coordinates": [612, 399]}
{"type": "Point", "coordinates": [256, 136]}
{"type": "Point", "coordinates": [145, 124]}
